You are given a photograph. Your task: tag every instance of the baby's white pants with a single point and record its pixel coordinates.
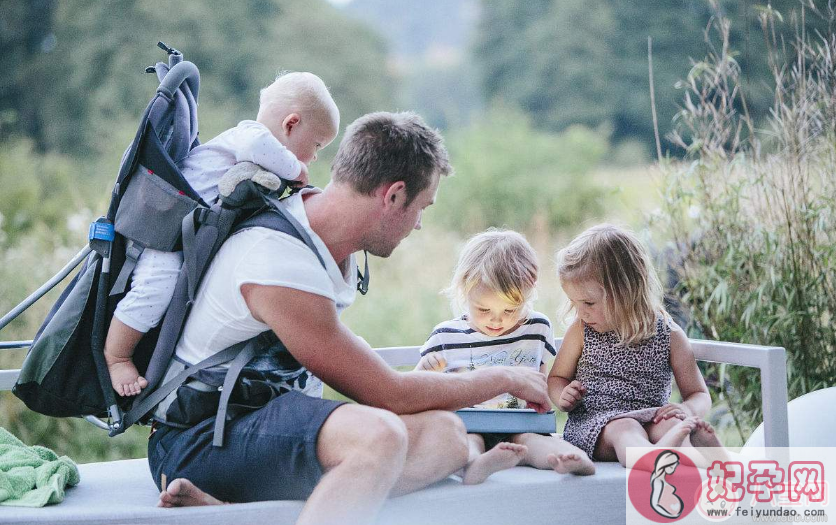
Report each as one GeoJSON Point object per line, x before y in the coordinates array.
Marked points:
{"type": "Point", "coordinates": [152, 286]}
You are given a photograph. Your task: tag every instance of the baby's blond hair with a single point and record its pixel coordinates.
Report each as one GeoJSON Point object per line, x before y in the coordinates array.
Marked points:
{"type": "Point", "coordinates": [298, 92]}
{"type": "Point", "coordinates": [503, 261]}
{"type": "Point", "coordinates": [615, 258]}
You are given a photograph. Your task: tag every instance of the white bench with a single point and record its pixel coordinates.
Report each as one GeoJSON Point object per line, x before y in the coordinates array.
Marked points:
{"type": "Point", "coordinates": [123, 492]}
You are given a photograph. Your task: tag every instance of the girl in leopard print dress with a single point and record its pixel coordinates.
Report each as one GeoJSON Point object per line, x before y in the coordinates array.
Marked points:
{"type": "Point", "coordinates": [614, 369]}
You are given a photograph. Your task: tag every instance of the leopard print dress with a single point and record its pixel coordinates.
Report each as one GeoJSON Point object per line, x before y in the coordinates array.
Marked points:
{"type": "Point", "coordinates": [632, 381]}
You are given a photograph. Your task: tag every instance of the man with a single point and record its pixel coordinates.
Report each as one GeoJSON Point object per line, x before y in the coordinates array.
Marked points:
{"type": "Point", "coordinates": [344, 458]}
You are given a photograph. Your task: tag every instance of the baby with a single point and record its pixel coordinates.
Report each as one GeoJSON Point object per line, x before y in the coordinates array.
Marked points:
{"type": "Point", "coordinates": [296, 118]}
{"type": "Point", "coordinates": [494, 283]}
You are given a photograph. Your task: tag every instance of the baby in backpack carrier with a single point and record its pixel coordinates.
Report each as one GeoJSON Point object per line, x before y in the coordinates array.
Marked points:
{"type": "Point", "coordinates": [296, 118]}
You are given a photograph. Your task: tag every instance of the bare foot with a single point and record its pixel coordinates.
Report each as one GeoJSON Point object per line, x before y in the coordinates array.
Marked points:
{"type": "Point", "coordinates": [183, 493]}
{"type": "Point", "coordinates": [571, 463]}
{"type": "Point", "coordinates": [704, 435]}
{"type": "Point", "coordinates": [125, 377]}
{"type": "Point", "coordinates": [501, 457]}
{"type": "Point", "coordinates": [704, 438]}
{"type": "Point", "coordinates": [677, 434]}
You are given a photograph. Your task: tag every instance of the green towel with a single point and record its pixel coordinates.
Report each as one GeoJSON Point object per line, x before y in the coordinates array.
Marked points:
{"type": "Point", "coordinates": [32, 476]}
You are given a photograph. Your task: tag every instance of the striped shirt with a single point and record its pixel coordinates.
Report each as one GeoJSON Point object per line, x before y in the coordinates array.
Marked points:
{"type": "Point", "coordinates": [464, 349]}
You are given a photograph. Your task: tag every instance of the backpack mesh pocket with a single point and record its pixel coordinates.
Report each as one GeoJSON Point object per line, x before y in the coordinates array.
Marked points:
{"type": "Point", "coordinates": [151, 211]}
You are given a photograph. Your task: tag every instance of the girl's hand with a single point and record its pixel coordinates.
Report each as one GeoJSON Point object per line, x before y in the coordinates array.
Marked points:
{"type": "Point", "coordinates": [677, 410]}
{"type": "Point", "coordinates": [432, 363]}
{"type": "Point", "coordinates": [571, 395]}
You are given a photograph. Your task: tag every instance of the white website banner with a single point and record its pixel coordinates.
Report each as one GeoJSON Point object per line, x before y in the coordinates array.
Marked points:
{"type": "Point", "coordinates": [755, 485]}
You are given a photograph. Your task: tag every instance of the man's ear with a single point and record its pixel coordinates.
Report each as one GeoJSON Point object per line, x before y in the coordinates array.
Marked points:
{"type": "Point", "coordinates": [394, 196]}
{"type": "Point", "coordinates": [290, 122]}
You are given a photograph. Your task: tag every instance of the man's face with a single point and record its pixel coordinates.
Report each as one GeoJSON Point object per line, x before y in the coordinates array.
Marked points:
{"type": "Point", "coordinates": [398, 224]}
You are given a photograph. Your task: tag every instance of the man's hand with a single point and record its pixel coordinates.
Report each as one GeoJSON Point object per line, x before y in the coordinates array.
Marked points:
{"type": "Point", "coordinates": [530, 385]}
{"type": "Point", "coordinates": [677, 410]}
{"type": "Point", "coordinates": [571, 395]}
{"type": "Point", "coordinates": [432, 362]}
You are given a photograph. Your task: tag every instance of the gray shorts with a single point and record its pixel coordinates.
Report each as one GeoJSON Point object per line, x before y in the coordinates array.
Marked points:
{"type": "Point", "coordinates": [268, 454]}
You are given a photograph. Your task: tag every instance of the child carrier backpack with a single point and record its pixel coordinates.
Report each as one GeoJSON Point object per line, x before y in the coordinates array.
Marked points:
{"type": "Point", "coordinates": [152, 206]}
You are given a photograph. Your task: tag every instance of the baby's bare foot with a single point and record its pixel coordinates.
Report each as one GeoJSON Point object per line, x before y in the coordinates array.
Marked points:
{"type": "Point", "coordinates": [501, 457]}
{"type": "Point", "coordinates": [125, 378]}
{"type": "Point", "coordinates": [677, 434]}
{"type": "Point", "coordinates": [183, 493]}
{"type": "Point", "coordinates": [572, 463]}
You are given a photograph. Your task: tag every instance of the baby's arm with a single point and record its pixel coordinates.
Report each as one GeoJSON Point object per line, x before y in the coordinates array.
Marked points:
{"type": "Point", "coordinates": [565, 392]}
{"type": "Point", "coordinates": [259, 146]}
{"type": "Point", "coordinates": [696, 400]}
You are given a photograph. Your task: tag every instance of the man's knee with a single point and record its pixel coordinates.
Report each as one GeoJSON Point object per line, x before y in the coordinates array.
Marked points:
{"type": "Point", "coordinates": [361, 434]}
{"type": "Point", "coordinates": [387, 435]}
{"type": "Point", "coordinates": [448, 428]}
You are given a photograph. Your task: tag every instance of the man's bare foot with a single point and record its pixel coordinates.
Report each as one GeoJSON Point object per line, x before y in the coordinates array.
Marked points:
{"type": "Point", "coordinates": [501, 457]}
{"type": "Point", "coordinates": [125, 377]}
{"type": "Point", "coordinates": [571, 463]}
{"type": "Point", "coordinates": [183, 493]}
{"type": "Point", "coordinates": [677, 434]}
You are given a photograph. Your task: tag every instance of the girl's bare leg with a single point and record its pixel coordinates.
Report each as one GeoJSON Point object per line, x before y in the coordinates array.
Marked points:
{"type": "Point", "coordinates": [619, 434]}
{"type": "Point", "coordinates": [552, 452]}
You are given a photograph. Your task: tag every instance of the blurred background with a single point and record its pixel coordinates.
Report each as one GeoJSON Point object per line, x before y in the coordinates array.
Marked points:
{"type": "Point", "coordinates": [546, 109]}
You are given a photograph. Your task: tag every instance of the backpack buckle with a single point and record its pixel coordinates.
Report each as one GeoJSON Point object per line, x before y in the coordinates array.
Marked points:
{"type": "Point", "coordinates": [101, 230]}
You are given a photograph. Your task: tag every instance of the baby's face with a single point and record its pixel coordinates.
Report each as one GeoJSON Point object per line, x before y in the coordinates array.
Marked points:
{"type": "Point", "coordinates": [490, 314]}
{"type": "Point", "coordinates": [588, 299]}
{"type": "Point", "coordinates": [308, 137]}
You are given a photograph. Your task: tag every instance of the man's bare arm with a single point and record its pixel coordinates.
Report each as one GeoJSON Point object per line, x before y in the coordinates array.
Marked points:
{"type": "Point", "coordinates": [309, 327]}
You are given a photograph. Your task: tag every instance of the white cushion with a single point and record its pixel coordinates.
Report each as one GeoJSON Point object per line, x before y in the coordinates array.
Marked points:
{"type": "Point", "coordinates": [123, 492]}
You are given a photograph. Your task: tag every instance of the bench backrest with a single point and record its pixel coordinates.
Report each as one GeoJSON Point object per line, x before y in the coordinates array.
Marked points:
{"type": "Point", "coordinates": [770, 360]}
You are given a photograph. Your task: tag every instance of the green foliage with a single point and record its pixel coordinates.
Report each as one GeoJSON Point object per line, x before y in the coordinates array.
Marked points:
{"type": "Point", "coordinates": [568, 62]}
{"type": "Point", "coordinates": [754, 213]}
{"type": "Point", "coordinates": [92, 77]}
{"type": "Point", "coordinates": [510, 175]}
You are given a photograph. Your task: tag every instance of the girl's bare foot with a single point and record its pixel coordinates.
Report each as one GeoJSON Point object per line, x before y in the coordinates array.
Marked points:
{"type": "Point", "coordinates": [501, 457]}
{"type": "Point", "coordinates": [125, 377]}
{"type": "Point", "coordinates": [704, 438]}
{"type": "Point", "coordinates": [677, 434]}
{"type": "Point", "coordinates": [571, 463]}
{"type": "Point", "coordinates": [704, 435]}
{"type": "Point", "coordinates": [183, 493]}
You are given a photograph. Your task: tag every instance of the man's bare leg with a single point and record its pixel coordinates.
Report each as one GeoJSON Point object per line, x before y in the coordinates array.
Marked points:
{"type": "Point", "coordinates": [438, 447]}
{"type": "Point", "coordinates": [362, 451]}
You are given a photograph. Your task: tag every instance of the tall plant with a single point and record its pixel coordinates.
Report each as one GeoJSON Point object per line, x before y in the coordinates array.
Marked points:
{"type": "Point", "coordinates": [753, 211]}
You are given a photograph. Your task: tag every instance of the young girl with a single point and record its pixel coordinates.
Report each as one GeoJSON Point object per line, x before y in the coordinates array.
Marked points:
{"type": "Point", "coordinates": [614, 369]}
{"type": "Point", "coordinates": [494, 284]}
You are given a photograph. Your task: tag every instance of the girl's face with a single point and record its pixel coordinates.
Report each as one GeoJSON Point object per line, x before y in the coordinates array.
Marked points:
{"type": "Point", "coordinates": [587, 298]}
{"type": "Point", "coordinates": [490, 314]}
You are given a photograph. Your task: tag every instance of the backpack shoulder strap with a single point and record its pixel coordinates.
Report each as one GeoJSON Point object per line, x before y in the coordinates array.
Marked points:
{"type": "Point", "coordinates": [271, 215]}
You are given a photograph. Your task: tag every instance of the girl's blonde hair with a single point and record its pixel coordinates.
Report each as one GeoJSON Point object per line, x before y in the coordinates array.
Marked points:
{"type": "Point", "coordinates": [503, 261]}
{"type": "Point", "coordinates": [616, 259]}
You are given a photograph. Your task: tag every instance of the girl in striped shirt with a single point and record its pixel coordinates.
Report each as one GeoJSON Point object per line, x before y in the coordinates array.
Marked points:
{"type": "Point", "coordinates": [494, 286]}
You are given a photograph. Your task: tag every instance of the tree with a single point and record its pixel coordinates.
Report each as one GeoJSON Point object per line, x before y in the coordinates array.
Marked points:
{"type": "Point", "coordinates": [92, 81]}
